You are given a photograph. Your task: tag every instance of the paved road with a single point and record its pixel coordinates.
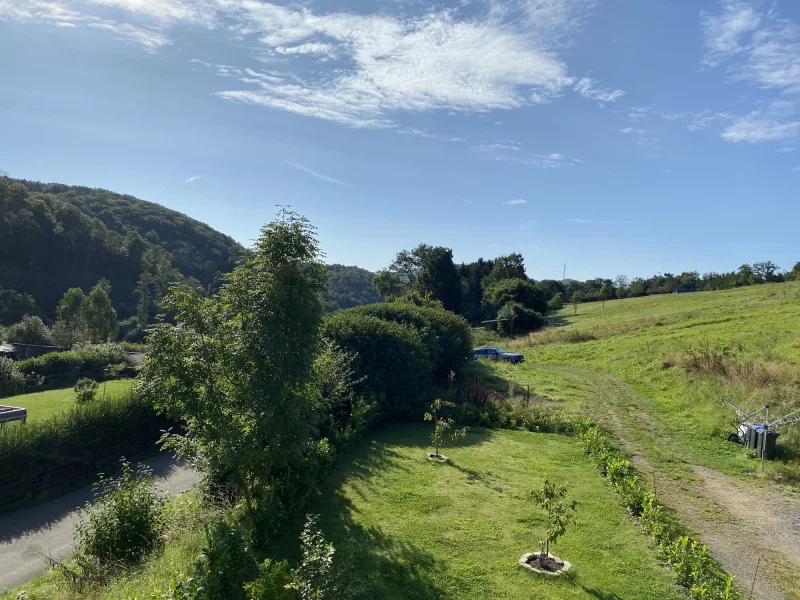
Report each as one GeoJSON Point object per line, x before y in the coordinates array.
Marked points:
{"type": "Point", "coordinates": [47, 527]}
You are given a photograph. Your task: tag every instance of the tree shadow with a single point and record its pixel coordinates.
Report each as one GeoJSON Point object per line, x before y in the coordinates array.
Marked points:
{"type": "Point", "coordinates": [50, 513]}
{"type": "Point", "coordinates": [595, 593]}
{"type": "Point", "coordinates": [369, 563]}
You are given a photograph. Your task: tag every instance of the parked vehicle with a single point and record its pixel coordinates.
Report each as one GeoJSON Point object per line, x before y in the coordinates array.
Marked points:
{"type": "Point", "coordinates": [495, 353]}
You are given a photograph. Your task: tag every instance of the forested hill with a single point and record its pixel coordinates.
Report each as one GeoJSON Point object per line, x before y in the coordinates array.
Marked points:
{"type": "Point", "coordinates": [349, 287]}
{"type": "Point", "coordinates": [197, 250]}
{"type": "Point", "coordinates": [54, 237]}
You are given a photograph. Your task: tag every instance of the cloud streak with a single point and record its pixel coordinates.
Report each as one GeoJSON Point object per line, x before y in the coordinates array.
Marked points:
{"type": "Point", "coordinates": [516, 202]}
{"type": "Point", "coordinates": [193, 178]}
{"type": "Point", "coordinates": [316, 174]}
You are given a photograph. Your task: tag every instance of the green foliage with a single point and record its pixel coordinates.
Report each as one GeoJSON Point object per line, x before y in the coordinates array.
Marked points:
{"type": "Point", "coordinates": [426, 269]}
{"type": "Point", "coordinates": [85, 390]}
{"type": "Point", "coordinates": [248, 408]}
{"type": "Point", "coordinates": [395, 365]}
{"type": "Point", "coordinates": [99, 316]}
{"type": "Point", "coordinates": [520, 319]}
{"type": "Point", "coordinates": [91, 431]}
{"type": "Point", "coordinates": [123, 525]}
{"type": "Point", "coordinates": [30, 330]}
{"type": "Point", "coordinates": [556, 302]}
{"type": "Point", "coordinates": [314, 577]}
{"type": "Point", "coordinates": [447, 336]}
{"type": "Point", "coordinates": [348, 287]}
{"type": "Point", "coordinates": [695, 567]}
{"type": "Point", "coordinates": [14, 305]}
{"type": "Point", "coordinates": [604, 293]}
{"type": "Point", "coordinates": [70, 325]}
{"type": "Point", "coordinates": [182, 587]}
{"type": "Point", "coordinates": [273, 582]}
{"type": "Point", "coordinates": [509, 266]}
{"type": "Point", "coordinates": [74, 236]}
{"type": "Point", "coordinates": [560, 514]}
{"type": "Point", "coordinates": [12, 381]}
{"type": "Point", "coordinates": [226, 563]}
{"type": "Point", "coordinates": [65, 368]}
{"type": "Point", "coordinates": [441, 425]}
{"type": "Point", "coordinates": [521, 291]}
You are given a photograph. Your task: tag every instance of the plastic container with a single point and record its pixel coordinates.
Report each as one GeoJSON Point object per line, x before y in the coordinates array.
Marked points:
{"type": "Point", "coordinates": [772, 440]}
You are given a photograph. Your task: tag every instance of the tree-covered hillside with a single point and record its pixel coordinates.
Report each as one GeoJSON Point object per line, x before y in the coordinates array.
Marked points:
{"type": "Point", "coordinates": [197, 250]}
{"type": "Point", "coordinates": [349, 287]}
{"type": "Point", "coordinates": [54, 237]}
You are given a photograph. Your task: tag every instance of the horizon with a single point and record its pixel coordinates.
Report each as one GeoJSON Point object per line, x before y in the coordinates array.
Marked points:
{"type": "Point", "coordinates": [575, 132]}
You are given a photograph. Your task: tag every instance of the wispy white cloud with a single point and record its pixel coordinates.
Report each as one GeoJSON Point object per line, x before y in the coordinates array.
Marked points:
{"type": "Point", "coordinates": [316, 174]}
{"type": "Point", "coordinates": [754, 43]}
{"type": "Point", "coordinates": [419, 132]}
{"type": "Point", "coordinates": [786, 149]}
{"type": "Point", "coordinates": [516, 202]}
{"type": "Point", "coordinates": [589, 88]}
{"type": "Point", "coordinates": [512, 152]}
{"type": "Point", "coordinates": [193, 178]}
{"type": "Point", "coordinates": [630, 130]}
{"type": "Point", "coordinates": [707, 118]}
{"type": "Point", "coordinates": [318, 48]}
{"type": "Point", "coordinates": [148, 35]}
{"type": "Point", "coordinates": [796, 169]}
{"type": "Point", "coordinates": [775, 123]}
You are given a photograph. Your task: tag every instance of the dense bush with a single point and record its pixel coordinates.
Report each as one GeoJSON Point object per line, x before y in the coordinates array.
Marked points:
{"type": "Point", "coordinates": [84, 436]}
{"type": "Point", "coordinates": [124, 525]}
{"type": "Point", "coordinates": [520, 319]}
{"type": "Point", "coordinates": [30, 330]}
{"type": "Point", "coordinates": [11, 380]}
{"type": "Point", "coordinates": [396, 365]}
{"type": "Point", "coordinates": [65, 368]}
{"type": "Point", "coordinates": [695, 567]}
{"type": "Point", "coordinates": [447, 335]}
{"type": "Point", "coordinates": [85, 390]}
{"type": "Point", "coordinates": [526, 293]}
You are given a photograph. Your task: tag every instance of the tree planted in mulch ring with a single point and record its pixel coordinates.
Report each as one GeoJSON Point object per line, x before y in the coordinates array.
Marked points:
{"type": "Point", "coordinates": [560, 514]}
{"type": "Point", "coordinates": [440, 427]}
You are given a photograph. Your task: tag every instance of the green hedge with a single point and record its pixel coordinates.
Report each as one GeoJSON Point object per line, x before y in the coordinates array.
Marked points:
{"type": "Point", "coordinates": [447, 335]}
{"type": "Point", "coordinates": [395, 364]}
{"type": "Point", "coordinates": [78, 441]}
{"type": "Point", "coordinates": [61, 369]}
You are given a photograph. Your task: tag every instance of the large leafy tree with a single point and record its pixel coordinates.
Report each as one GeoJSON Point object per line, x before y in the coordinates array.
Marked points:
{"type": "Point", "coordinates": [520, 291]}
{"type": "Point", "coordinates": [238, 366]}
{"type": "Point", "coordinates": [70, 325]}
{"type": "Point", "coordinates": [426, 269]}
{"type": "Point", "coordinates": [99, 316]}
{"type": "Point", "coordinates": [510, 266]}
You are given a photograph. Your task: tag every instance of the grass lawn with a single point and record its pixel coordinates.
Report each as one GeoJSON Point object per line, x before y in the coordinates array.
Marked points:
{"type": "Point", "coordinates": [621, 372]}
{"type": "Point", "coordinates": [43, 405]}
{"type": "Point", "coordinates": [412, 528]}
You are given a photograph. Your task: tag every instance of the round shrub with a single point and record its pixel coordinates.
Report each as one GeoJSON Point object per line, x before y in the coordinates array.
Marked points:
{"type": "Point", "coordinates": [396, 365]}
{"type": "Point", "coordinates": [447, 335]}
{"type": "Point", "coordinates": [85, 390]}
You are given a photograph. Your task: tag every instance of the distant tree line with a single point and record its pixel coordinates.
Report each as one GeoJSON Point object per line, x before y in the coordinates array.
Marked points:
{"type": "Point", "coordinates": [499, 289]}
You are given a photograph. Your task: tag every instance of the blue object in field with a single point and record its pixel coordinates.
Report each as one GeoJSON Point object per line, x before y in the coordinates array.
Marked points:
{"type": "Point", "coordinates": [752, 436]}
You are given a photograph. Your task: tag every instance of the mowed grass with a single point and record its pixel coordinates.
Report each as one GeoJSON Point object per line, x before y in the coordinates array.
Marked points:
{"type": "Point", "coordinates": [620, 359]}
{"type": "Point", "coordinates": [407, 527]}
{"type": "Point", "coordinates": [43, 405]}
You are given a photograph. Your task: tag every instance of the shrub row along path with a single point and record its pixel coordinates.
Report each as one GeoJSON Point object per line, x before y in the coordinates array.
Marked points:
{"type": "Point", "coordinates": [47, 528]}
{"type": "Point", "coordinates": [739, 520]}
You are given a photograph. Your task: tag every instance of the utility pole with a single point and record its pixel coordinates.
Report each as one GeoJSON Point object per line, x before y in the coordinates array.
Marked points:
{"type": "Point", "coordinates": [764, 441]}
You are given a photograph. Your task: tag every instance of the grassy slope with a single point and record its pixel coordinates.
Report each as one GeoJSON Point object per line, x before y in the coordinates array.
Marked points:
{"type": "Point", "coordinates": [635, 336]}
{"type": "Point", "coordinates": [43, 405]}
{"type": "Point", "coordinates": [412, 528]}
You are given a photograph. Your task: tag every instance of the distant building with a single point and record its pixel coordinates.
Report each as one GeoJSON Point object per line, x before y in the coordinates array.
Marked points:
{"type": "Point", "coordinates": [17, 351]}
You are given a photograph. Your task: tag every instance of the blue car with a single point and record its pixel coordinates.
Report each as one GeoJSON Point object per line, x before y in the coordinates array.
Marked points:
{"type": "Point", "coordinates": [495, 353]}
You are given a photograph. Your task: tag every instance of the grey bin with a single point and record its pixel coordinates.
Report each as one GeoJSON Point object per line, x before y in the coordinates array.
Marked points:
{"type": "Point", "coordinates": [751, 441]}
{"type": "Point", "coordinates": [772, 439]}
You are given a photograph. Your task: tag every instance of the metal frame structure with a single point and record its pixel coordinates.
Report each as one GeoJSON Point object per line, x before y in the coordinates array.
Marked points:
{"type": "Point", "coordinates": [12, 413]}
{"type": "Point", "coordinates": [787, 419]}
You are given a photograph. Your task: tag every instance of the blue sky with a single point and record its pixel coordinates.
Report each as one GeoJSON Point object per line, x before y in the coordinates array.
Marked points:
{"type": "Point", "coordinates": [614, 136]}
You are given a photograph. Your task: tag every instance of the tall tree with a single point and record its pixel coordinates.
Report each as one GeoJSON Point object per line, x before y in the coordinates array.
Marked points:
{"type": "Point", "coordinates": [621, 283]}
{"type": "Point", "coordinates": [100, 316]}
{"type": "Point", "coordinates": [70, 325]}
{"type": "Point", "coordinates": [156, 276]}
{"type": "Point", "coordinates": [604, 294]}
{"type": "Point", "coordinates": [238, 367]}
{"type": "Point", "coordinates": [438, 277]}
{"type": "Point", "coordinates": [509, 266]}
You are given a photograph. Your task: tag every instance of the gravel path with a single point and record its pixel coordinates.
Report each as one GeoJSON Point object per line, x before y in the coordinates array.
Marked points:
{"type": "Point", "coordinates": [47, 527]}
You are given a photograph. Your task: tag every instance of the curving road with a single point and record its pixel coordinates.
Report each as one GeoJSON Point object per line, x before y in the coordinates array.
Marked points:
{"type": "Point", "coordinates": [48, 527]}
